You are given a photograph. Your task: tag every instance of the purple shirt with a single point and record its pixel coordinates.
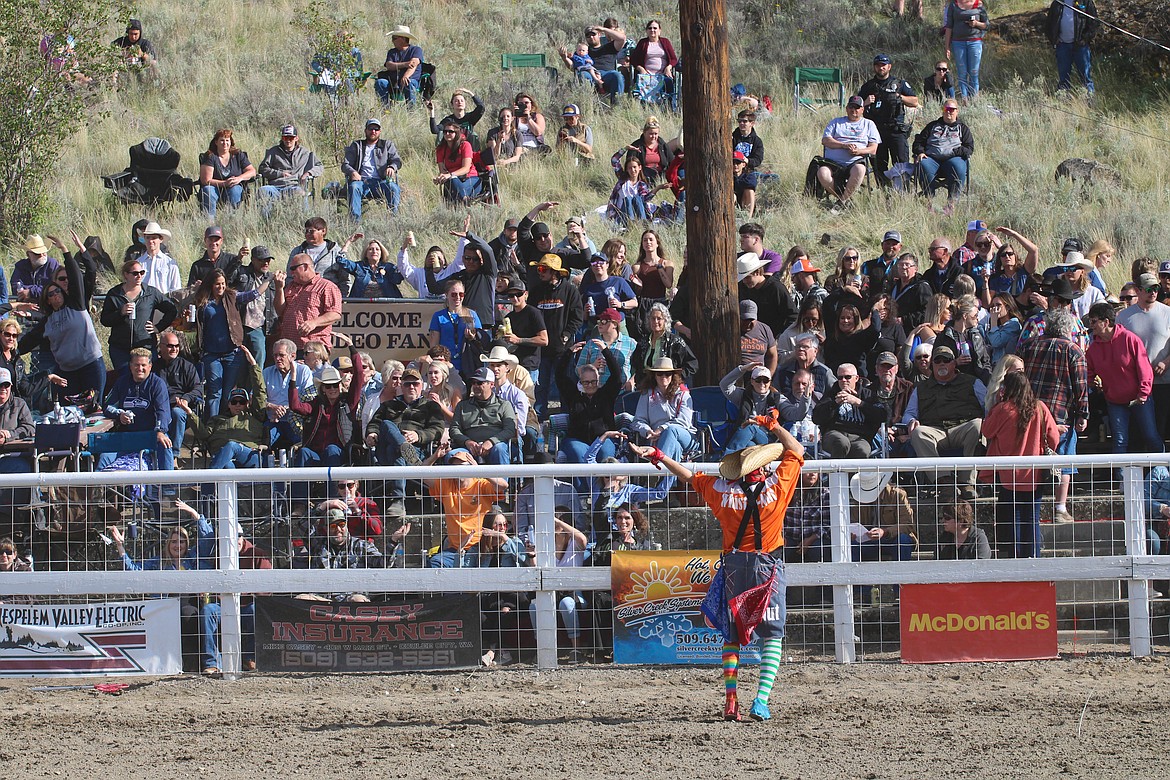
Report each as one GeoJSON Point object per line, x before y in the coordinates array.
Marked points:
{"type": "Point", "coordinates": [775, 261]}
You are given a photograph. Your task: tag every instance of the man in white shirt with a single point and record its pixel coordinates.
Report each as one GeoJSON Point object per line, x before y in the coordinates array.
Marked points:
{"type": "Point", "coordinates": [847, 140]}
{"type": "Point", "coordinates": [162, 272]}
{"type": "Point", "coordinates": [277, 378]}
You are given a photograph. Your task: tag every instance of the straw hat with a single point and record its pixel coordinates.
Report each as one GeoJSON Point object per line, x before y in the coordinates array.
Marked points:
{"type": "Point", "coordinates": [401, 31]}
{"type": "Point", "coordinates": [745, 461]}
{"type": "Point", "coordinates": [36, 245]}
{"type": "Point", "coordinates": [499, 354]}
{"type": "Point", "coordinates": [663, 365]}
{"type": "Point", "coordinates": [552, 262]}
{"type": "Point", "coordinates": [867, 486]}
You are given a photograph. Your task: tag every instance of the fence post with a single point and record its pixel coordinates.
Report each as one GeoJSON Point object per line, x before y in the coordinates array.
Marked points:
{"type": "Point", "coordinates": [1133, 488]}
{"type": "Point", "coordinates": [543, 508]}
{"type": "Point", "coordinates": [843, 627]}
{"type": "Point", "coordinates": [228, 531]}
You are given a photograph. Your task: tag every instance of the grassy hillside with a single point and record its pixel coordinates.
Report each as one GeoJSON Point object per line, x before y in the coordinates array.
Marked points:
{"type": "Point", "coordinates": [242, 65]}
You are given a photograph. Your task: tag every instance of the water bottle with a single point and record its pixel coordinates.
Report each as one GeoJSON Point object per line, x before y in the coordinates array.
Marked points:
{"type": "Point", "coordinates": [590, 307]}
{"type": "Point", "coordinates": [57, 412]}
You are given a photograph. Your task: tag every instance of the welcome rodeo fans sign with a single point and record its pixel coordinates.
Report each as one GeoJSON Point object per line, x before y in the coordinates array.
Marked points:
{"type": "Point", "coordinates": [441, 632]}
{"type": "Point", "coordinates": [388, 328]}
{"type": "Point", "coordinates": [978, 621]}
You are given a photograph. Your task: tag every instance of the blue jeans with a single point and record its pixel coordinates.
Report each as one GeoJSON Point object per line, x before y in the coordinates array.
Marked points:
{"type": "Point", "coordinates": [209, 196]}
{"type": "Point", "coordinates": [389, 453]}
{"type": "Point", "coordinates": [210, 616]}
{"type": "Point", "coordinates": [1068, 56]}
{"type": "Point", "coordinates": [1017, 517]}
{"type": "Point", "coordinates": [615, 84]}
{"type": "Point", "coordinates": [575, 449]}
{"type": "Point", "coordinates": [967, 55]}
{"type": "Point", "coordinates": [954, 171]}
{"type": "Point", "coordinates": [178, 429]}
{"type": "Point", "coordinates": [633, 208]}
{"type": "Point", "coordinates": [236, 455]}
{"type": "Point", "coordinates": [456, 190]}
{"type": "Point", "coordinates": [257, 344]}
{"type": "Point", "coordinates": [270, 193]}
{"type": "Point", "coordinates": [548, 363]}
{"type": "Point", "coordinates": [385, 90]}
{"type": "Point", "coordinates": [450, 558]}
{"type": "Point", "coordinates": [887, 548]}
{"type": "Point", "coordinates": [499, 455]}
{"type": "Point", "coordinates": [219, 377]}
{"type": "Point", "coordinates": [675, 441]}
{"type": "Point", "coordinates": [119, 359]}
{"type": "Point", "coordinates": [1123, 418]}
{"type": "Point", "coordinates": [331, 457]}
{"type": "Point", "coordinates": [385, 189]}
{"type": "Point", "coordinates": [747, 436]}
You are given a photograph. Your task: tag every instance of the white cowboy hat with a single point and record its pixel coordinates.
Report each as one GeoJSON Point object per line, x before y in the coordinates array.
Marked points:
{"type": "Point", "coordinates": [401, 31]}
{"type": "Point", "coordinates": [329, 376]}
{"type": "Point", "coordinates": [154, 229]}
{"type": "Point", "coordinates": [499, 354]}
{"type": "Point", "coordinates": [866, 486]}
{"type": "Point", "coordinates": [747, 263]}
{"type": "Point", "coordinates": [742, 462]}
{"type": "Point", "coordinates": [1076, 260]}
{"type": "Point", "coordinates": [662, 365]}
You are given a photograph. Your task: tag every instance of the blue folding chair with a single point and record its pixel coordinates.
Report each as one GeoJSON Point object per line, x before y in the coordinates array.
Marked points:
{"type": "Point", "coordinates": [713, 417]}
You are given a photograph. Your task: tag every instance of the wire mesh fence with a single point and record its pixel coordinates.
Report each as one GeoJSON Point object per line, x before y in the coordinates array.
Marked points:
{"type": "Point", "coordinates": [528, 549]}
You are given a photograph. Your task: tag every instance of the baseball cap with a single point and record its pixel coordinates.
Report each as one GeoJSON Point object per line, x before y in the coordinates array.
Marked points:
{"type": "Point", "coordinates": [892, 235]}
{"type": "Point", "coordinates": [239, 392]}
{"type": "Point", "coordinates": [411, 373]}
{"type": "Point", "coordinates": [261, 252]}
{"type": "Point", "coordinates": [748, 310]}
{"type": "Point", "coordinates": [1164, 267]}
{"type": "Point", "coordinates": [1072, 245]}
{"type": "Point", "coordinates": [976, 224]}
{"type": "Point", "coordinates": [571, 110]}
{"type": "Point", "coordinates": [739, 157]}
{"type": "Point", "coordinates": [612, 315]}
{"type": "Point", "coordinates": [335, 516]}
{"type": "Point", "coordinates": [288, 130]}
{"type": "Point", "coordinates": [575, 220]}
{"type": "Point", "coordinates": [516, 285]}
{"type": "Point", "coordinates": [945, 352]}
{"type": "Point", "coordinates": [5, 377]}
{"type": "Point", "coordinates": [856, 101]}
{"type": "Point", "coordinates": [887, 359]}
{"type": "Point", "coordinates": [1146, 281]}
{"type": "Point", "coordinates": [882, 59]}
{"type": "Point", "coordinates": [510, 223]}
{"type": "Point", "coordinates": [760, 371]}
{"type": "Point", "coordinates": [213, 232]}
{"type": "Point", "coordinates": [483, 375]}
{"type": "Point", "coordinates": [372, 122]}
{"type": "Point", "coordinates": [540, 229]}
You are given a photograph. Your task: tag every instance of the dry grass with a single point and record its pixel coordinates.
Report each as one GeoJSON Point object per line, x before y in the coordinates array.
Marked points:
{"type": "Point", "coordinates": [242, 65]}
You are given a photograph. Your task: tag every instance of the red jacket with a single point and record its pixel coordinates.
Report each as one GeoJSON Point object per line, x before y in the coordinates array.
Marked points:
{"type": "Point", "coordinates": [638, 58]}
{"type": "Point", "coordinates": [1004, 438]}
{"type": "Point", "coordinates": [1122, 365]}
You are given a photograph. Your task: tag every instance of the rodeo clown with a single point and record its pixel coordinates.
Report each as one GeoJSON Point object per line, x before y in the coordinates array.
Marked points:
{"type": "Point", "coordinates": [749, 500]}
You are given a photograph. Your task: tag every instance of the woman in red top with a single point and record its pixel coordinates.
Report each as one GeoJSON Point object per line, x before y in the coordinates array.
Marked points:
{"type": "Point", "coordinates": [655, 56]}
{"type": "Point", "coordinates": [749, 501]}
{"type": "Point", "coordinates": [653, 274]}
{"type": "Point", "coordinates": [457, 174]}
{"type": "Point", "coordinates": [1019, 424]}
{"type": "Point", "coordinates": [651, 151]}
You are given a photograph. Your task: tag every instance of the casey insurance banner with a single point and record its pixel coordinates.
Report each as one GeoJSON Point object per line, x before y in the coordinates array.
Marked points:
{"type": "Point", "coordinates": [435, 632]}
{"type": "Point", "coordinates": [90, 640]}
{"type": "Point", "coordinates": [978, 621]}
{"type": "Point", "coordinates": [656, 617]}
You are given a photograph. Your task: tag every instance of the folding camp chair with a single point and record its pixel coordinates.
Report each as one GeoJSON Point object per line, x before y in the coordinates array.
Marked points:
{"type": "Point", "coordinates": [816, 87]}
{"type": "Point", "coordinates": [714, 415]}
{"type": "Point", "coordinates": [515, 62]}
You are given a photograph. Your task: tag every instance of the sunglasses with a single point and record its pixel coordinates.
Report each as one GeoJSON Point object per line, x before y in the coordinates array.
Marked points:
{"type": "Point", "coordinates": [7, 551]}
{"type": "Point", "coordinates": [238, 400]}
{"type": "Point", "coordinates": [588, 382]}
{"type": "Point", "coordinates": [983, 244]}
{"type": "Point", "coordinates": [1007, 254]}
{"type": "Point", "coordinates": [61, 279]}
{"type": "Point", "coordinates": [942, 359]}
{"type": "Point", "coordinates": [762, 379]}
{"type": "Point", "coordinates": [1128, 297]}
{"type": "Point", "coordinates": [851, 257]}
{"type": "Point", "coordinates": [846, 376]}
{"type": "Point", "coordinates": [10, 335]}
{"type": "Point", "coordinates": [943, 248]}
{"type": "Point", "coordinates": [1151, 290]}
{"type": "Point", "coordinates": [950, 108]}
{"type": "Point", "coordinates": [942, 70]}
{"type": "Point", "coordinates": [338, 524]}
{"type": "Point", "coordinates": [412, 382]}
{"type": "Point", "coordinates": [346, 484]}
{"type": "Point", "coordinates": [169, 346]}
{"type": "Point", "coordinates": [331, 387]}
{"type": "Point", "coordinates": [136, 273]}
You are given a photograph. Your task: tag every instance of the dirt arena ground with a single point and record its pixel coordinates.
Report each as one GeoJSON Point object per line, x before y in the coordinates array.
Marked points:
{"type": "Point", "coordinates": [1080, 718]}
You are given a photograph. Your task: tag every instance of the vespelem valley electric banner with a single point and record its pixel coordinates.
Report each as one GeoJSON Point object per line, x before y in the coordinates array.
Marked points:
{"type": "Point", "coordinates": [656, 617]}
{"type": "Point", "coordinates": [96, 640]}
{"type": "Point", "coordinates": [978, 621]}
{"type": "Point", "coordinates": [440, 632]}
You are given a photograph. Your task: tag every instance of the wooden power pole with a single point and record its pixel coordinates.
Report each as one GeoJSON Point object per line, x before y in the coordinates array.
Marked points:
{"type": "Point", "coordinates": [710, 201]}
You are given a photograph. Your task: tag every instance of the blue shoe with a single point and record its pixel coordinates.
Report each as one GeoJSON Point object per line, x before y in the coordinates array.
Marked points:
{"type": "Point", "coordinates": [760, 711]}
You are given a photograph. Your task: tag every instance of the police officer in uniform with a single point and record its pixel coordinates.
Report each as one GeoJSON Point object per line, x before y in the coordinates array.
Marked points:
{"type": "Point", "coordinates": [886, 100]}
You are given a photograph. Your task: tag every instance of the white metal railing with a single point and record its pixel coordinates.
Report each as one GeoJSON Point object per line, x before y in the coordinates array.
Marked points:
{"type": "Point", "coordinates": [545, 578]}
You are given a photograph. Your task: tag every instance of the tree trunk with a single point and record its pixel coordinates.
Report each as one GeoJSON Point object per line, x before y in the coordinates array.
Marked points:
{"type": "Point", "coordinates": [710, 197]}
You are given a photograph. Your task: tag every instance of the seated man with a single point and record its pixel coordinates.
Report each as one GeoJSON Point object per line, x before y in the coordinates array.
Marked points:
{"type": "Point", "coordinates": [140, 401]}
{"type": "Point", "coordinates": [848, 416]}
{"type": "Point", "coordinates": [361, 512]}
{"type": "Point", "coordinates": [808, 347]}
{"type": "Point", "coordinates": [183, 384]}
{"type": "Point", "coordinates": [745, 182]}
{"type": "Point", "coordinates": [287, 167]}
{"type": "Point", "coordinates": [284, 373]}
{"type": "Point", "coordinates": [399, 428]}
{"type": "Point", "coordinates": [401, 74]}
{"type": "Point", "coordinates": [943, 147]}
{"type": "Point", "coordinates": [465, 501]}
{"type": "Point", "coordinates": [138, 54]}
{"type": "Point", "coordinates": [235, 434]}
{"type": "Point", "coordinates": [371, 166]}
{"type": "Point", "coordinates": [847, 140]}
{"type": "Point", "coordinates": [341, 550]}
{"type": "Point", "coordinates": [746, 140]}
{"type": "Point", "coordinates": [945, 411]}
{"type": "Point", "coordinates": [484, 423]}
{"type": "Point", "coordinates": [885, 518]}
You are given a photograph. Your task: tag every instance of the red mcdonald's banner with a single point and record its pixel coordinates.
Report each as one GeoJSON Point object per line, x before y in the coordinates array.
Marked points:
{"type": "Point", "coordinates": [978, 621]}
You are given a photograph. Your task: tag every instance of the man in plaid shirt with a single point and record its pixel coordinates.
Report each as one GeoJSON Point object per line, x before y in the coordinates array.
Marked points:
{"type": "Point", "coordinates": [1056, 368]}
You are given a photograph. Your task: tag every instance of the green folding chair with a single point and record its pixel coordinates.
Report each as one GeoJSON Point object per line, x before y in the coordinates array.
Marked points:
{"type": "Point", "coordinates": [817, 87]}
{"type": "Point", "coordinates": [516, 62]}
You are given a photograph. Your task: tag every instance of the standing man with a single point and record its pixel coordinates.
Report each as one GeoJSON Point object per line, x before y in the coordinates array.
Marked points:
{"type": "Point", "coordinates": [880, 270]}
{"type": "Point", "coordinates": [325, 253]}
{"type": "Point", "coordinates": [287, 168]}
{"type": "Point", "coordinates": [1071, 27]}
{"type": "Point", "coordinates": [1118, 363]}
{"type": "Point", "coordinates": [256, 316]}
{"type": "Point", "coordinates": [1149, 320]}
{"type": "Point", "coordinates": [886, 101]}
{"type": "Point", "coordinates": [371, 165]}
{"type": "Point", "coordinates": [308, 305]}
{"type": "Point", "coordinates": [162, 272]}
{"type": "Point", "coordinates": [749, 501]}
{"type": "Point", "coordinates": [560, 304]}
{"type": "Point", "coordinates": [213, 257]}
{"type": "Point", "coordinates": [402, 72]}
{"type": "Point", "coordinates": [525, 331]}
{"type": "Point", "coordinates": [751, 239]}
{"type": "Point", "coordinates": [183, 384]}
{"type": "Point", "coordinates": [506, 247]}
{"type": "Point", "coordinates": [535, 241]}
